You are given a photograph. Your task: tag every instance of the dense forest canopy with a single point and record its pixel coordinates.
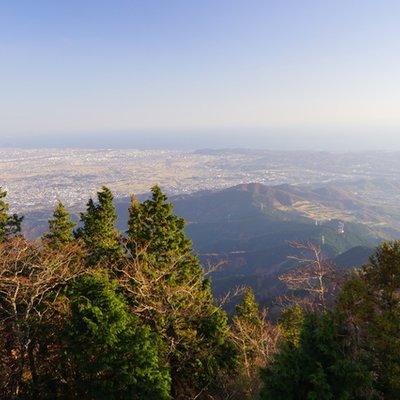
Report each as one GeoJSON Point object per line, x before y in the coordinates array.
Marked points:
{"type": "Point", "coordinates": [91, 312]}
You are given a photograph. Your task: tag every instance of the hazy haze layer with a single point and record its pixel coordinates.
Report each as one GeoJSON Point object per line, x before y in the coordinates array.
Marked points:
{"type": "Point", "coordinates": [225, 73]}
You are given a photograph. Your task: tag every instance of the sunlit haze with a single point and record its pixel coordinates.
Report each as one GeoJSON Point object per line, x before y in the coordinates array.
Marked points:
{"type": "Point", "coordinates": [211, 73]}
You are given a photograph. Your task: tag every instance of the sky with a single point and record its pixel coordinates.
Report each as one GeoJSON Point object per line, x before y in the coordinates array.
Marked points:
{"type": "Point", "coordinates": [200, 73]}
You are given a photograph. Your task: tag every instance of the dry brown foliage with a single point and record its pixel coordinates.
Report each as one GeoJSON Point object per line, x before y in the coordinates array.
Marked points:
{"type": "Point", "coordinates": [31, 275]}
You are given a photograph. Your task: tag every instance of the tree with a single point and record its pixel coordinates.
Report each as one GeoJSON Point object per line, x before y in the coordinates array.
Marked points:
{"type": "Point", "coordinates": [29, 276]}
{"type": "Point", "coordinates": [319, 367]}
{"type": "Point", "coordinates": [113, 356]}
{"type": "Point", "coordinates": [10, 225]}
{"type": "Point", "coordinates": [314, 280]}
{"type": "Point", "coordinates": [291, 323]}
{"type": "Point", "coordinates": [60, 228]}
{"type": "Point", "coordinates": [157, 234]}
{"type": "Point", "coordinates": [170, 293]}
{"type": "Point", "coordinates": [370, 303]}
{"type": "Point", "coordinates": [98, 232]}
{"type": "Point", "coordinates": [256, 339]}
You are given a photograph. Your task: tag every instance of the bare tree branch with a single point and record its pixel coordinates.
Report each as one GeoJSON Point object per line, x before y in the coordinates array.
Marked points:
{"type": "Point", "coordinates": [314, 277]}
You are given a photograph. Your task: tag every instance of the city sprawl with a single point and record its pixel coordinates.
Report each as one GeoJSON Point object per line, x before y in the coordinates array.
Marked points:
{"type": "Point", "coordinates": [35, 179]}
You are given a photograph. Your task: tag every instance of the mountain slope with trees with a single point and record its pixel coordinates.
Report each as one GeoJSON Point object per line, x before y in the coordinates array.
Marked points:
{"type": "Point", "coordinates": [249, 227]}
{"type": "Point", "coordinates": [101, 314]}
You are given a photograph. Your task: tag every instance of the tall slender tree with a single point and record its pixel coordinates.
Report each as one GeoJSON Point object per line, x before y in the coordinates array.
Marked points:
{"type": "Point", "coordinates": [291, 322]}
{"type": "Point", "coordinates": [168, 280]}
{"type": "Point", "coordinates": [98, 232]}
{"type": "Point", "coordinates": [256, 340]}
{"type": "Point", "coordinates": [10, 225]}
{"type": "Point", "coordinates": [60, 228]}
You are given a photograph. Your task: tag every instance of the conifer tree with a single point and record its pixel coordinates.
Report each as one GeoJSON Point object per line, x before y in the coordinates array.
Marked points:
{"type": "Point", "coordinates": [98, 232]}
{"type": "Point", "coordinates": [113, 356]}
{"type": "Point", "coordinates": [291, 322]}
{"type": "Point", "coordinates": [155, 233]}
{"type": "Point", "coordinates": [10, 225]}
{"type": "Point", "coordinates": [247, 310]}
{"type": "Point", "coordinates": [370, 303]}
{"type": "Point", "coordinates": [256, 340]}
{"type": "Point", "coordinates": [319, 367]}
{"type": "Point", "coordinates": [60, 228]}
{"type": "Point", "coordinates": [178, 301]}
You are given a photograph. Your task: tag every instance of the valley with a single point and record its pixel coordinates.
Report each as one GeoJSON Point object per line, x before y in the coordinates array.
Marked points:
{"type": "Point", "coordinates": [242, 207]}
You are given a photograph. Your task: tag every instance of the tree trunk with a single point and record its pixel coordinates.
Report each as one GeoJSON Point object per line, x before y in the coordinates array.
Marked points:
{"type": "Point", "coordinates": [32, 367]}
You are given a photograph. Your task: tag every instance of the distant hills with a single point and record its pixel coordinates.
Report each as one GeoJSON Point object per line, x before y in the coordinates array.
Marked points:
{"type": "Point", "coordinates": [256, 216]}
{"type": "Point", "coordinates": [249, 227]}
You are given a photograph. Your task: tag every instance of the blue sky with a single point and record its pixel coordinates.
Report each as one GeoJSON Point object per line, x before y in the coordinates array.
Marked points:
{"type": "Point", "coordinates": [305, 69]}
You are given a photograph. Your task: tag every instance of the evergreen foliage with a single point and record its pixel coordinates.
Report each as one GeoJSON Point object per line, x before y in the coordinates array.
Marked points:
{"type": "Point", "coordinates": [114, 357]}
{"type": "Point", "coordinates": [319, 367]}
{"type": "Point", "coordinates": [247, 327]}
{"type": "Point", "coordinates": [247, 310]}
{"type": "Point", "coordinates": [83, 319]}
{"type": "Point", "coordinates": [291, 322]}
{"type": "Point", "coordinates": [256, 341]}
{"type": "Point", "coordinates": [60, 228]}
{"type": "Point", "coordinates": [370, 302]}
{"type": "Point", "coordinates": [182, 310]}
{"type": "Point", "coordinates": [98, 232]}
{"type": "Point", "coordinates": [156, 234]}
{"type": "Point", "coordinates": [10, 225]}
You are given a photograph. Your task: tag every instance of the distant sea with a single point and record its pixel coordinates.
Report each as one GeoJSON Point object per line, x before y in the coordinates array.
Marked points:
{"type": "Point", "coordinates": [192, 140]}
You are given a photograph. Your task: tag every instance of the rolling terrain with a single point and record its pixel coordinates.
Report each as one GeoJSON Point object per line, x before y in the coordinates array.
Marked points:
{"type": "Point", "coordinates": [249, 228]}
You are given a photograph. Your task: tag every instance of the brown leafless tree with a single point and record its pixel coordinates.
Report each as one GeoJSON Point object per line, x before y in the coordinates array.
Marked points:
{"type": "Point", "coordinates": [314, 282]}
{"type": "Point", "coordinates": [30, 274]}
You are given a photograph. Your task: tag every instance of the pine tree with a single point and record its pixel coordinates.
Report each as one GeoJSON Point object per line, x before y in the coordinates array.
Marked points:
{"type": "Point", "coordinates": [10, 225]}
{"type": "Point", "coordinates": [174, 297]}
{"type": "Point", "coordinates": [98, 232]}
{"type": "Point", "coordinates": [60, 228]}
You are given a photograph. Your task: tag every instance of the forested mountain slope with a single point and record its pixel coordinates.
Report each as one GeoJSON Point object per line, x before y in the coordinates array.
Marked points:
{"type": "Point", "coordinates": [249, 227]}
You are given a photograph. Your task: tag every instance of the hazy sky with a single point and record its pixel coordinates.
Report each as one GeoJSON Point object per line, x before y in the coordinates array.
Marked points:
{"type": "Point", "coordinates": [326, 69]}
